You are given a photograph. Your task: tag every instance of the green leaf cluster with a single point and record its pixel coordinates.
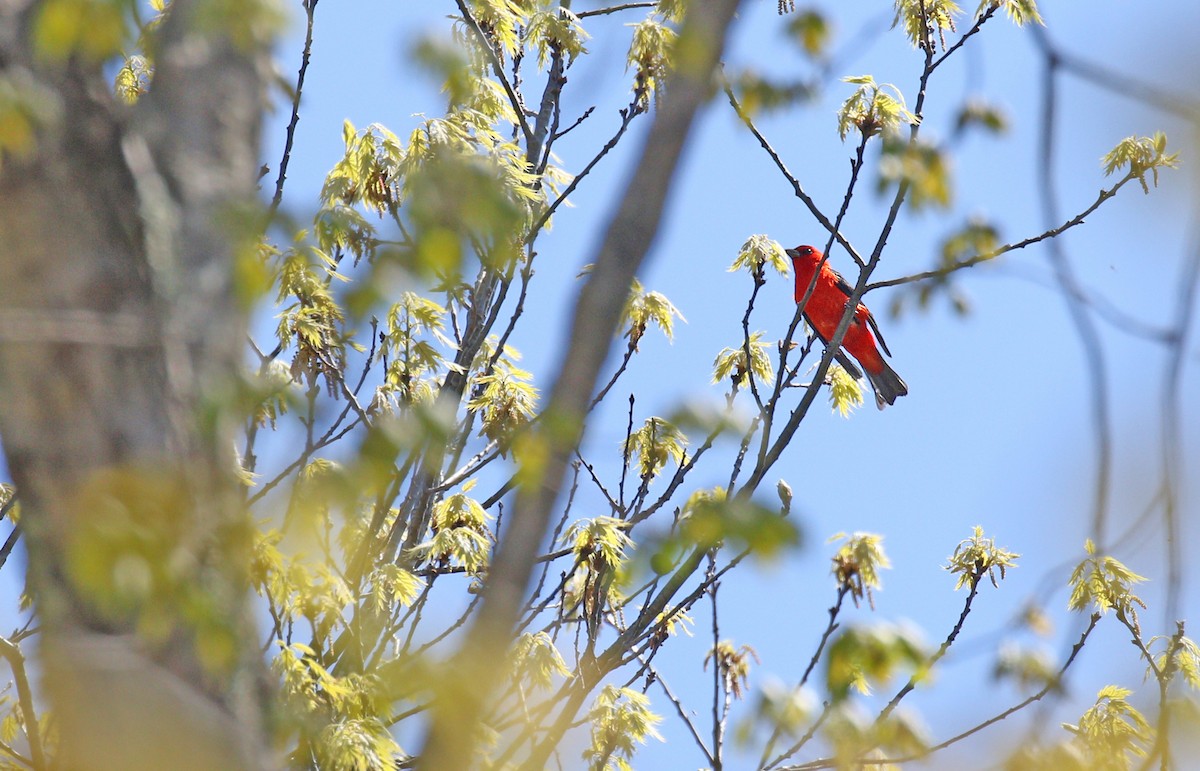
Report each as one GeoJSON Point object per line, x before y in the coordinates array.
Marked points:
{"type": "Point", "coordinates": [557, 30]}
{"type": "Point", "coordinates": [859, 740]}
{"type": "Point", "coordinates": [502, 21]}
{"type": "Point", "coordinates": [1141, 155]}
{"type": "Point", "coordinates": [599, 542]}
{"type": "Point", "coordinates": [460, 534]}
{"type": "Point", "coordinates": [978, 556]}
{"type": "Point", "coordinates": [644, 308]}
{"type": "Point", "coordinates": [650, 57]}
{"type": "Point", "coordinates": [921, 18]}
{"type": "Point", "coordinates": [758, 93]}
{"type": "Point", "coordinates": [1104, 583]}
{"type": "Point", "coordinates": [133, 79]}
{"type": "Point", "coordinates": [733, 664]}
{"type": "Point", "coordinates": [538, 660]}
{"type": "Point", "coordinates": [845, 393]}
{"type": "Point", "coordinates": [857, 564]}
{"type": "Point", "coordinates": [620, 719]}
{"type": "Point", "coordinates": [759, 251]}
{"type": "Point", "coordinates": [311, 320]}
{"type": "Point", "coordinates": [812, 30]}
{"type": "Point", "coordinates": [1112, 730]}
{"type": "Point", "coordinates": [711, 518]}
{"type": "Point", "coordinates": [1029, 668]}
{"type": "Point", "coordinates": [731, 362]}
{"type": "Point", "coordinates": [873, 109]}
{"type": "Point", "coordinates": [340, 714]}
{"type": "Point", "coordinates": [412, 344]}
{"type": "Point", "coordinates": [977, 112]}
{"type": "Point", "coordinates": [1020, 12]}
{"type": "Point", "coordinates": [506, 402]}
{"type": "Point", "coordinates": [1180, 655]}
{"type": "Point", "coordinates": [654, 443]}
{"type": "Point", "coordinates": [976, 241]}
{"type": "Point", "coordinates": [93, 30]}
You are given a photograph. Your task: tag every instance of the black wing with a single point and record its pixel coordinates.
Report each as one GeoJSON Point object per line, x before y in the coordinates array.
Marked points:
{"type": "Point", "coordinates": [840, 356]}
{"type": "Point", "coordinates": [844, 286]}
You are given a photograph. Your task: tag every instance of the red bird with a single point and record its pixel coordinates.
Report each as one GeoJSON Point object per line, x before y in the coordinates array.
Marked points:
{"type": "Point", "coordinates": [824, 311]}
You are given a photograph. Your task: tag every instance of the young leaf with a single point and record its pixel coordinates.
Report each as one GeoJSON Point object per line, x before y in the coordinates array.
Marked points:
{"type": "Point", "coordinates": [873, 109]}
{"type": "Point", "coordinates": [653, 444]}
{"type": "Point", "coordinates": [506, 402]}
{"type": "Point", "coordinates": [921, 18]}
{"type": "Point", "coordinates": [977, 556]}
{"type": "Point", "coordinates": [1112, 729]}
{"type": "Point", "coordinates": [600, 541]}
{"type": "Point", "coordinates": [731, 362]}
{"type": "Point", "coordinates": [845, 393]}
{"type": "Point", "coordinates": [857, 563]}
{"type": "Point", "coordinates": [644, 308]}
{"type": "Point", "coordinates": [1104, 584]}
{"type": "Point", "coordinates": [620, 720]}
{"type": "Point", "coordinates": [759, 251]}
{"type": "Point", "coordinates": [538, 660]}
{"type": "Point", "coordinates": [650, 56]}
{"type": "Point", "coordinates": [1020, 12]}
{"type": "Point", "coordinates": [1141, 155]}
{"type": "Point", "coordinates": [923, 166]}
{"type": "Point", "coordinates": [556, 30]}
{"type": "Point", "coordinates": [733, 664]}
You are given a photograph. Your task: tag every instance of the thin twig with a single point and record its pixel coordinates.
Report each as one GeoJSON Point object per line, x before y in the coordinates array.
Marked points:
{"type": "Point", "coordinates": [797, 188]}
{"type": "Point", "coordinates": [830, 628]}
{"type": "Point", "coordinates": [614, 9]}
{"type": "Point", "coordinates": [675, 702]}
{"type": "Point", "coordinates": [628, 113]}
{"type": "Point", "coordinates": [310, 7]}
{"type": "Point", "coordinates": [971, 262]}
{"type": "Point", "coordinates": [29, 719]}
{"type": "Point", "coordinates": [941, 651]}
{"type": "Point", "coordinates": [1047, 688]}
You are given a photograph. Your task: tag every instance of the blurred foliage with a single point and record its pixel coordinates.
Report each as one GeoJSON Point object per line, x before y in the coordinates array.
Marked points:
{"type": "Point", "coordinates": [923, 168]}
{"type": "Point", "coordinates": [862, 655]}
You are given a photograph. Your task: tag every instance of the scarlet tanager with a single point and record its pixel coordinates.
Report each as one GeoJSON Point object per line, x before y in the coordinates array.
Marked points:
{"type": "Point", "coordinates": [823, 312]}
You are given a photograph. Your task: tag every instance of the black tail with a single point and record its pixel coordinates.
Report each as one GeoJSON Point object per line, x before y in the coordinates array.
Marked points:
{"type": "Point", "coordinates": [887, 386]}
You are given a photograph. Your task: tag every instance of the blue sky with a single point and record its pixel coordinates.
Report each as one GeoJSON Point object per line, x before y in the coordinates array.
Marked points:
{"type": "Point", "coordinates": [996, 428]}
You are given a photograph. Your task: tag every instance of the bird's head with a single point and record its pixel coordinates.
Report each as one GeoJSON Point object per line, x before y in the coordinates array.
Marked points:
{"type": "Point", "coordinates": [804, 253]}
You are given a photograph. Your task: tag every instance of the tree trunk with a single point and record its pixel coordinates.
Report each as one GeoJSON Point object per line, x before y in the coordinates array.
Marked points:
{"type": "Point", "coordinates": [120, 335]}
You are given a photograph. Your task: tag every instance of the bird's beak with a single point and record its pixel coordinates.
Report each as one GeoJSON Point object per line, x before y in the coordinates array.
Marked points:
{"type": "Point", "coordinates": [791, 253]}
